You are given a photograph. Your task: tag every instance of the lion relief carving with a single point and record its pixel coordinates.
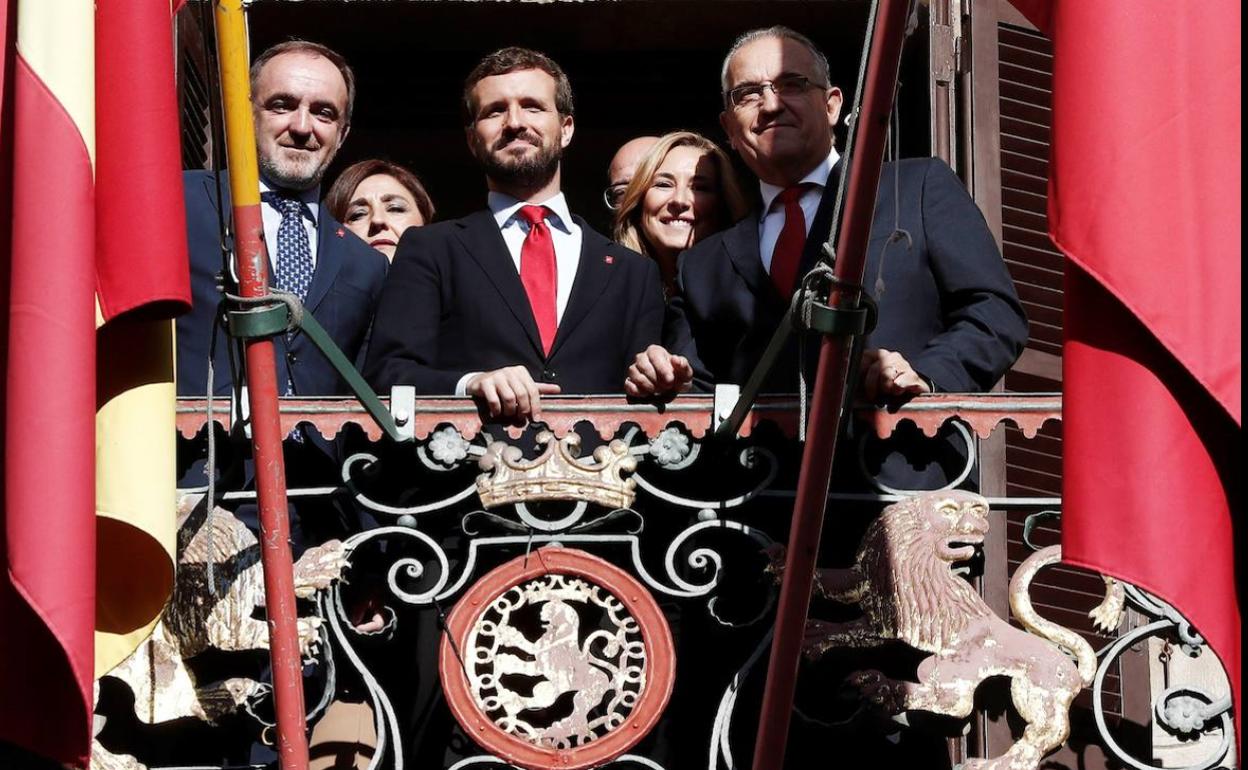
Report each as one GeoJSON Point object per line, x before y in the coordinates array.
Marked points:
{"type": "Point", "coordinates": [903, 581]}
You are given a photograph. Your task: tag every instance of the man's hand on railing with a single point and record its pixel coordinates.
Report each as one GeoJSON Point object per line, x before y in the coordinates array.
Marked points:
{"type": "Point", "coordinates": [510, 392]}
{"type": "Point", "coordinates": [886, 374]}
{"type": "Point", "coordinates": [656, 372]}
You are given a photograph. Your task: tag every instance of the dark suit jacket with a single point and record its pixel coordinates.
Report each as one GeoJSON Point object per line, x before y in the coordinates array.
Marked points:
{"type": "Point", "coordinates": [948, 303]}
{"type": "Point", "coordinates": [453, 304]}
{"type": "Point", "coordinates": [345, 286]}
{"type": "Point", "coordinates": [948, 306]}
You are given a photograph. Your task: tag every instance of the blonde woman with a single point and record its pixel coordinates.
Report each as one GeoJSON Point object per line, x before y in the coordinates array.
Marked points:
{"type": "Point", "coordinates": [684, 189]}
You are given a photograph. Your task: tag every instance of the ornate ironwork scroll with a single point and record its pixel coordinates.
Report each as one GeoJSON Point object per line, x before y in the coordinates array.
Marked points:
{"type": "Point", "coordinates": [687, 520]}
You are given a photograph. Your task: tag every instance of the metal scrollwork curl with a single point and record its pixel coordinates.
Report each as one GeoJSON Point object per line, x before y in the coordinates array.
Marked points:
{"type": "Point", "coordinates": [1181, 710]}
{"type": "Point", "coordinates": [748, 458]}
{"type": "Point", "coordinates": [363, 458]}
{"type": "Point", "coordinates": [703, 559]}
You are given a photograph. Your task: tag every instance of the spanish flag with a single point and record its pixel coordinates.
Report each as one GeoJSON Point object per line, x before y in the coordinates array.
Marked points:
{"type": "Point", "coordinates": [93, 267]}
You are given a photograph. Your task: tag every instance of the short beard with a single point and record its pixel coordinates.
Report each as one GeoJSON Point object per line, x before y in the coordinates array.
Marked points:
{"type": "Point", "coordinates": [275, 174]}
{"type": "Point", "coordinates": [526, 173]}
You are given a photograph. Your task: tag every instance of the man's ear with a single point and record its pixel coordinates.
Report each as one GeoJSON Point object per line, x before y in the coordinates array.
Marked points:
{"type": "Point", "coordinates": [725, 122]}
{"type": "Point", "coordinates": [567, 130]}
{"type": "Point", "coordinates": [342, 137]}
{"type": "Point", "coordinates": [835, 100]}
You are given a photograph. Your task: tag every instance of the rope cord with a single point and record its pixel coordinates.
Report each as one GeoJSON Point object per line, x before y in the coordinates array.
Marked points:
{"type": "Point", "coordinates": [211, 469]}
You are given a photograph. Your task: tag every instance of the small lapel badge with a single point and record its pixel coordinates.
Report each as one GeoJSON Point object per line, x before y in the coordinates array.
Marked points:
{"type": "Point", "coordinates": [342, 233]}
{"type": "Point", "coordinates": [610, 260]}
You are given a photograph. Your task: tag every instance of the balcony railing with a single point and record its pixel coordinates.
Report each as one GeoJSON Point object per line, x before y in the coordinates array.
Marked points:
{"type": "Point", "coordinates": [598, 591]}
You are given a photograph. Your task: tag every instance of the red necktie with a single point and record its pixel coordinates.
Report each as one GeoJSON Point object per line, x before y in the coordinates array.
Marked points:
{"type": "Point", "coordinates": [539, 273]}
{"type": "Point", "coordinates": [788, 254]}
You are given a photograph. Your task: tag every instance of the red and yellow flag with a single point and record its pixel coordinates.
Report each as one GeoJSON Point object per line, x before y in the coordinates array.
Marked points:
{"type": "Point", "coordinates": [94, 267]}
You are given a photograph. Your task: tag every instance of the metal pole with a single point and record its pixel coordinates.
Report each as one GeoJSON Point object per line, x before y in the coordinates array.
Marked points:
{"type": "Point", "coordinates": [253, 276]}
{"type": "Point", "coordinates": [830, 384]}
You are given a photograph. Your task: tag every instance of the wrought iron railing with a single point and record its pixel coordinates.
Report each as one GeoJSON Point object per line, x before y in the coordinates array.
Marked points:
{"type": "Point", "coordinates": [660, 527]}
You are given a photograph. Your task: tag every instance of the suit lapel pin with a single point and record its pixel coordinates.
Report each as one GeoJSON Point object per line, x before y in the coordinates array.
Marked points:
{"type": "Point", "coordinates": [341, 233]}
{"type": "Point", "coordinates": [610, 260]}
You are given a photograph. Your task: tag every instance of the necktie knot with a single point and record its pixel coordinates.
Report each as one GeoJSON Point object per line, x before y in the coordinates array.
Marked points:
{"type": "Point", "coordinates": [534, 215]}
{"type": "Point", "coordinates": [285, 204]}
{"type": "Point", "coordinates": [792, 194]}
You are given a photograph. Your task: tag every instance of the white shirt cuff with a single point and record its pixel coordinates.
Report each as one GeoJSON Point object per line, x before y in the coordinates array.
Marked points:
{"type": "Point", "coordinates": [461, 387]}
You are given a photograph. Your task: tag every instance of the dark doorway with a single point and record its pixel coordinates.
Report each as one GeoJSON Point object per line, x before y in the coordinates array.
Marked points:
{"type": "Point", "coordinates": [637, 67]}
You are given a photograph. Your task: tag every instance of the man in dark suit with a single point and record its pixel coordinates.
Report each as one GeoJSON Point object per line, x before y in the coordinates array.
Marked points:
{"type": "Point", "coordinates": [302, 96]}
{"type": "Point", "coordinates": [521, 299]}
{"type": "Point", "coordinates": [508, 304]}
{"type": "Point", "coordinates": [949, 316]}
{"type": "Point", "coordinates": [949, 320]}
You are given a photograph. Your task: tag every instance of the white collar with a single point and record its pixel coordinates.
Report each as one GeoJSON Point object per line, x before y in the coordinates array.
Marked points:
{"type": "Point", "coordinates": [817, 176]}
{"type": "Point", "coordinates": [504, 208]}
{"type": "Point", "coordinates": [310, 197]}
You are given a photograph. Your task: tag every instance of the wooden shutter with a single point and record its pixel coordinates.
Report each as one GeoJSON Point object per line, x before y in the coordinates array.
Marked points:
{"type": "Point", "coordinates": [193, 89]}
{"type": "Point", "coordinates": [1034, 466]}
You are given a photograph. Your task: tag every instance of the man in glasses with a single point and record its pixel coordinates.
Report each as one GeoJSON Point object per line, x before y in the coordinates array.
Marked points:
{"type": "Point", "coordinates": [622, 167]}
{"type": "Point", "coordinates": [949, 320]}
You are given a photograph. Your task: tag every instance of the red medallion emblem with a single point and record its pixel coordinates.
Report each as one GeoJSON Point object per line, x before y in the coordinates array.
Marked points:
{"type": "Point", "coordinates": [557, 659]}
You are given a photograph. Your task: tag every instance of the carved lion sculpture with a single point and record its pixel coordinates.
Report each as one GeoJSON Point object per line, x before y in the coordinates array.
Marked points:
{"type": "Point", "coordinates": [903, 581]}
{"type": "Point", "coordinates": [214, 608]}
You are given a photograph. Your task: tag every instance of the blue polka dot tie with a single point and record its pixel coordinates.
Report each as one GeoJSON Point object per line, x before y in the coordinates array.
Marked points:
{"type": "Point", "coordinates": [294, 254]}
{"type": "Point", "coordinates": [293, 272]}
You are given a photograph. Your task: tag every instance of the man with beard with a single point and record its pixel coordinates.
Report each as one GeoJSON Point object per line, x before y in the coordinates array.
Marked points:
{"type": "Point", "coordinates": [521, 299]}
{"type": "Point", "coordinates": [302, 95]}
{"type": "Point", "coordinates": [302, 98]}
{"type": "Point", "coordinates": [509, 304]}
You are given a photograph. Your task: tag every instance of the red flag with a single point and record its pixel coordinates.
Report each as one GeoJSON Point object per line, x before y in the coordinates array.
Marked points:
{"type": "Point", "coordinates": [90, 210]}
{"type": "Point", "coordinates": [1144, 199]}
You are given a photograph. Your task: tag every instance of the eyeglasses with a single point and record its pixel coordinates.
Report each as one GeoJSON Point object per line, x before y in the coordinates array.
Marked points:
{"type": "Point", "coordinates": [613, 196]}
{"type": "Point", "coordinates": [785, 87]}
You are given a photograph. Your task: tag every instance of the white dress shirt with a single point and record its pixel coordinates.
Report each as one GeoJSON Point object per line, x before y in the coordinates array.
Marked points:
{"type": "Point", "coordinates": [773, 218]}
{"type": "Point", "coordinates": [565, 234]}
{"type": "Point", "coordinates": [272, 219]}
{"type": "Point", "coordinates": [563, 231]}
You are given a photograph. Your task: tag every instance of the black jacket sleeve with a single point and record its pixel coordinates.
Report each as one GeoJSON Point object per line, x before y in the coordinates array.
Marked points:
{"type": "Point", "coordinates": [405, 338]}
{"type": "Point", "coordinates": [985, 325]}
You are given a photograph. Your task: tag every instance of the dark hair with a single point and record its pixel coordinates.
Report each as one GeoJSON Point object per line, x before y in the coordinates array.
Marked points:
{"type": "Point", "coordinates": [510, 60]}
{"type": "Point", "coordinates": [314, 49]}
{"type": "Point", "coordinates": [338, 200]}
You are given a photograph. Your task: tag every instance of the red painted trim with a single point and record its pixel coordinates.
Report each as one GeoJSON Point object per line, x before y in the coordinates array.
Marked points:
{"type": "Point", "coordinates": [984, 412]}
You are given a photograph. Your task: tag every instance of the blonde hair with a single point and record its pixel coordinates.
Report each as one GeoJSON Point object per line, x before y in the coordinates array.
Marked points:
{"type": "Point", "coordinates": [732, 204]}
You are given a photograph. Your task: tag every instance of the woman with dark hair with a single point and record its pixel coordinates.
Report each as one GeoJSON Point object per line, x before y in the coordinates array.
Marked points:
{"type": "Point", "coordinates": [684, 189]}
{"type": "Point", "coordinates": [377, 200]}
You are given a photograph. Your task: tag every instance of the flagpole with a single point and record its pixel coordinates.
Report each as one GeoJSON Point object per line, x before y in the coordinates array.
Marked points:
{"type": "Point", "coordinates": [252, 262]}
{"type": "Point", "coordinates": [878, 90]}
